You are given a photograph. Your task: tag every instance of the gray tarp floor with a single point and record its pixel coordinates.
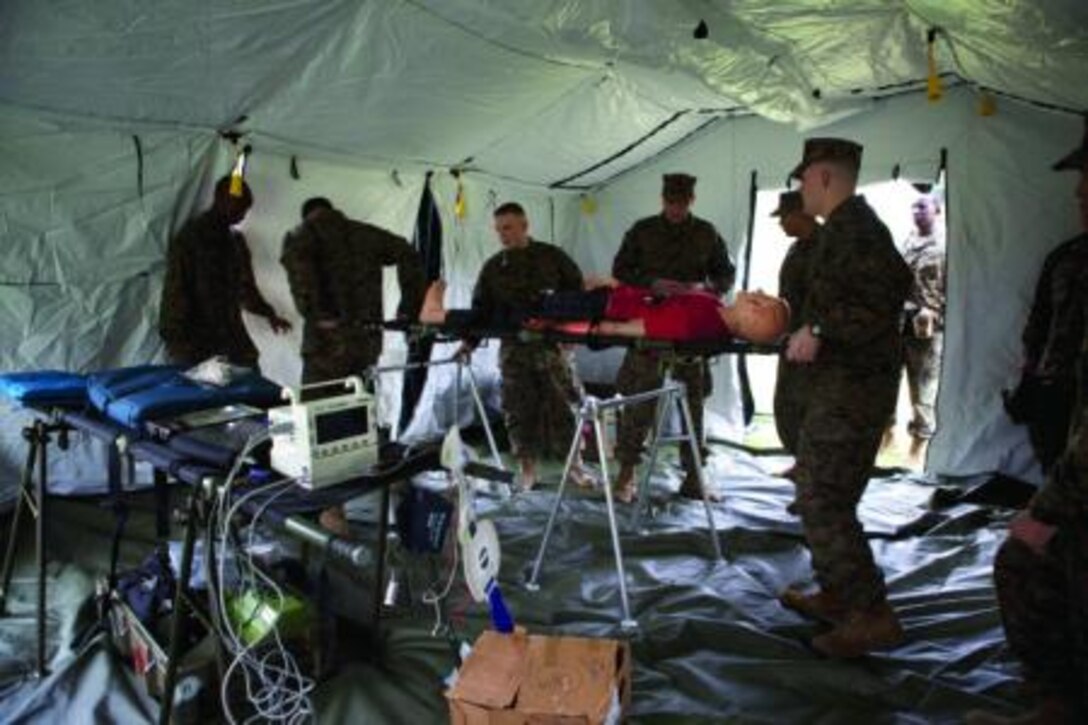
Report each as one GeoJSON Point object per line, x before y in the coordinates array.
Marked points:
{"type": "Point", "coordinates": [714, 645]}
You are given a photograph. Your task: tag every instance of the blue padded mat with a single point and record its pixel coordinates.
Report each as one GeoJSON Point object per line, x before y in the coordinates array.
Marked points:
{"type": "Point", "coordinates": [45, 388]}
{"type": "Point", "coordinates": [132, 396]}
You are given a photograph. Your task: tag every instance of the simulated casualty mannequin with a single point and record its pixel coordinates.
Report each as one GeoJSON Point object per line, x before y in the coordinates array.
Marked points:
{"type": "Point", "coordinates": [538, 389]}
{"type": "Point", "coordinates": [209, 281]}
{"type": "Point", "coordinates": [334, 267]}
{"type": "Point", "coordinates": [1041, 571]}
{"type": "Point", "coordinates": [791, 388]}
{"type": "Point", "coordinates": [624, 311]}
{"type": "Point", "coordinates": [669, 252]}
{"type": "Point", "coordinates": [850, 337]}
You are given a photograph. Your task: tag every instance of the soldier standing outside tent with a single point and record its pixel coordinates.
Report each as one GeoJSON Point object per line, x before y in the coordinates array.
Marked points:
{"type": "Point", "coordinates": [1052, 350]}
{"type": "Point", "coordinates": [209, 281]}
{"type": "Point", "coordinates": [334, 266]}
{"type": "Point", "coordinates": [791, 389]}
{"type": "Point", "coordinates": [537, 384]}
{"type": "Point", "coordinates": [851, 338]}
{"type": "Point", "coordinates": [923, 320]}
{"type": "Point", "coordinates": [1041, 571]}
{"type": "Point", "coordinates": [668, 252]}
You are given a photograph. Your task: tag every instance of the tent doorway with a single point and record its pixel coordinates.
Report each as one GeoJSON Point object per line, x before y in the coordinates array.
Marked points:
{"type": "Point", "coordinates": [893, 202]}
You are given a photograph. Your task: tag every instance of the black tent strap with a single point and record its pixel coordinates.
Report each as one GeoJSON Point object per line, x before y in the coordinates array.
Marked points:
{"type": "Point", "coordinates": [622, 152]}
{"type": "Point", "coordinates": [702, 348]}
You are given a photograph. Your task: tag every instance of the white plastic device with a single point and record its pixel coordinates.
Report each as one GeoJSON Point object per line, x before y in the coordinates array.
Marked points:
{"type": "Point", "coordinates": [326, 441]}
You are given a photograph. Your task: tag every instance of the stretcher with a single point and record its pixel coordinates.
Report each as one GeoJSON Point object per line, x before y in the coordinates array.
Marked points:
{"type": "Point", "coordinates": [580, 333]}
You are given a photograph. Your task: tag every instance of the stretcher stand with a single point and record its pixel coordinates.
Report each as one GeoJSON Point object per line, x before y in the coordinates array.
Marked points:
{"type": "Point", "coordinates": [670, 393]}
{"type": "Point", "coordinates": [464, 366]}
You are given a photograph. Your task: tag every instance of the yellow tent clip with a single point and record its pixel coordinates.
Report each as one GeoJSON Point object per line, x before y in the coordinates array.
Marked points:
{"type": "Point", "coordinates": [934, 88]}
{"type": "Point", "coordinates": [238, 174]}
{"type": "Point", "coordinates": [460, 206]}
{"type": "Point", "coordinates": [589, 205]}
{"type": "Point", "coordinates": [987, 104]}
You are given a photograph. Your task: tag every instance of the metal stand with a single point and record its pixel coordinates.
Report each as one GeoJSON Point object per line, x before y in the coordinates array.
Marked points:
{"type": "Point", "coordinates": [671, 392]}
{"type": "Point", "coordinates": [464, 364]}
{"type": "Point", "coordinates": [33, 495]}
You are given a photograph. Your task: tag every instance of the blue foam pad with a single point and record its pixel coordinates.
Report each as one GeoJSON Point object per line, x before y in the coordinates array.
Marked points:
{"type": "Point", "coordinates": [132, 396]}
{"type": "Point", "coordinates": [45, 388]}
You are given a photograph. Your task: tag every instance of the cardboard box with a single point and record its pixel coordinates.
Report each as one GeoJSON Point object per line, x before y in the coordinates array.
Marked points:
{"type": "Point", "coordinates": [519, 678]}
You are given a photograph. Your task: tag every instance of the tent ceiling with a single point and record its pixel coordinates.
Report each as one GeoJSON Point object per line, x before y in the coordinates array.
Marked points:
{"type": "Point", "coordinates": [538, 90]}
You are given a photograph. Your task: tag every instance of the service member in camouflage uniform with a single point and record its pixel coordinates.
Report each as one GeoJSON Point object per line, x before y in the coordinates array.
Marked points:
{"type": "Point", "coordinates": [537, 385]}
{"type": "Point", "coordinates": [1041, 571]}
{"type": "Point", "coordinates": [791, 388]}
{"type": "Point", "coordinates": [671, 251]}
{"type": "Point", "coordinates": [334, 266]}
{"type": "Point", "coordinates": [923, 321]}
{"type": "Point", "coordinates": [209, 281]}
{"type": "Point", "coordinates": [1052, 348]}
{"type": "Point", "coordinates": [850, 337]}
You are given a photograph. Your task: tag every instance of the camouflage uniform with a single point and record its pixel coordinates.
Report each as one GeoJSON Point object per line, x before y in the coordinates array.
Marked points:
{"type": "Point", "coordinates": [1055, 327]}
{"type": "Point", "coordinates": [209, 281]}
{"type": "Point", "coordinates": [537, 385]}
{"type": "Point", "coordinates": [856, 293]}
{"type": "Point", "coordinates": [654, 248]}
{"type": "Point", "coordinates": [1044, 599]}
{"type": "Point", "coordinates": [791, 384]}
{"type": "Point", "coordinates": [334, 265]}
{"type": "Point", "coordinates": [925, 257]}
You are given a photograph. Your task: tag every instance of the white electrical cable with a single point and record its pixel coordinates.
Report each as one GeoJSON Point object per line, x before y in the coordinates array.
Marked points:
{"type": "Point", "coordinates": [274, 685]}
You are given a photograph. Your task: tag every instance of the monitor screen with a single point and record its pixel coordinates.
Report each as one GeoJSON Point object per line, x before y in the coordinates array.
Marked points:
{"type": "Point", "coordinates": [341, 424]}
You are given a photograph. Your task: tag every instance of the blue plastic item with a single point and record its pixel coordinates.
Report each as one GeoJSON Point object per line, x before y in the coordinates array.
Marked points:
{"type": "Point", "coordinates": [45, 388]}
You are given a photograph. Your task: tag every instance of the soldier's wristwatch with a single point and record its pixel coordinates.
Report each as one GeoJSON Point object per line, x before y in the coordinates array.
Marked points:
{"type": "Point", "coordinates": [815, 329]}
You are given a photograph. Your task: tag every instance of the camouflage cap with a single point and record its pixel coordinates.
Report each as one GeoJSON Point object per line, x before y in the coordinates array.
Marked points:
{"type": "Point", "coordinates": [828, 149]}
{"type": "Point", "coordinates": [677, 186]}
{"type": "Point", "coordinates": [788, 201]}
{"type": "Point", "coordinates": [1075, 159]}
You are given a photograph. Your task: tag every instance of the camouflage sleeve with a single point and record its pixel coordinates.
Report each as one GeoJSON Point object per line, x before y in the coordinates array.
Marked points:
{"type": "Point", "coordinates": [396, 251]}
{"type": "Point", "coordinates": [176, 308]}
{"type": "Point", "coordinates": [722, 271]}
{"type": "Point", "coordinates": [299, 261]}
{"type": "Point", "coordinates": [1063, 499]}
{"type": "Point", "coordinates": [929, 285]}
{"type": "Point", "coordinates": [570, 275]}
{"type": "Point", "coordinates": [249, 296]}
{"type": "Point", "coordinates": [1038, 324]}
{"type": "Point", "coordinates": [1065, 332]}
{"type": "Point", "coordinates": [625, 267]}
{"type": "Point", "coordinates": [854, 289]}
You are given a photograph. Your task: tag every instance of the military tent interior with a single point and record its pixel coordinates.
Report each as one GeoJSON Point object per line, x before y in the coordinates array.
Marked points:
{"type": "Point", "coordinates": [118, 116]}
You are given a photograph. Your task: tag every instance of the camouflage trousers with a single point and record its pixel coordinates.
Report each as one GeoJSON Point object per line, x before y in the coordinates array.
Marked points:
{"type": "Point", "coordinates": [642, 371]}
{"type": "Point", "coordinates": [839, 437]}
{"type": "Point", "coordinates": [923, 363]}
{"type": "Point", "coordinates": [1044, 609]}
{"type": "Point", "coordinates": [538, 393]}
{"type": "Point", "coordinates": [790, 396]}
{"type": "Point", "coordinates": [330, 356]}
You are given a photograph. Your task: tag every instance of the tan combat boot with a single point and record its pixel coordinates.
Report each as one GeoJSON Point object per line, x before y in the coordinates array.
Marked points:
{"type": "Point", "coordinates": [822, 605]}
{"type": "Point", "coordinates": [862, 632]}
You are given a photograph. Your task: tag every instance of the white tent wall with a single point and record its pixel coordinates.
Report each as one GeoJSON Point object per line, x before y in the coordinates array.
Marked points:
{"type": "Point", "coordinates": [1006, 211]}
{"type": "Point", "coordinates": [84, 251]}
